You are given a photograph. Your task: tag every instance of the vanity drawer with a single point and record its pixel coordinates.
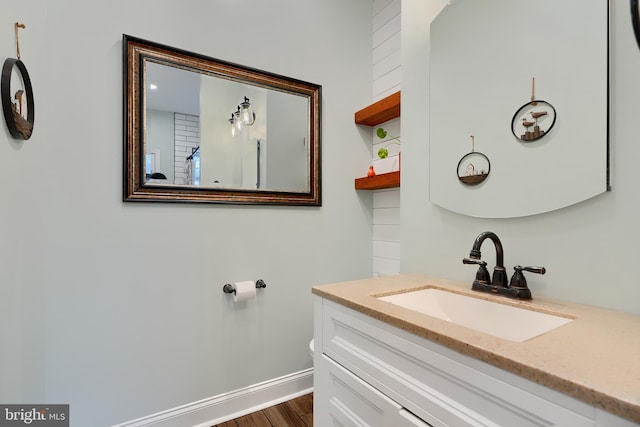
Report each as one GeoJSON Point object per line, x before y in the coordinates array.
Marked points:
{"type": "Point", "coordinates": [438, 385]}
{"type": "Point", "coordinates": [352, 402]}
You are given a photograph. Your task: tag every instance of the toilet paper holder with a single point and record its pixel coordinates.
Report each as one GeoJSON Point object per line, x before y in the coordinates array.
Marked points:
{"type": "Point", "coordinates": [229, 289]}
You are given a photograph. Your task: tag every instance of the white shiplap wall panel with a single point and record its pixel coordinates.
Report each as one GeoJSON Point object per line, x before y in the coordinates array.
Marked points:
{"type": "Point", "coordinates": [387, 232]}
{"type": "Point", "coordinates": [385, 267]}
{"type": "Point", "coordinates": [386, 14]}
{"type": "Point", "coordinates": [379, 5]}
{"type": "Point", "coordinates": [387, 65]}
{"type": "Point", "coordinates": [386, 216]}
{"type": "Point", "coordinates": [387, 84]}
{"type": "Point", "coordinates": [387, 48]}
{"type": "Point", "coordinates": [389, 198]}
{"type": "Point", "coordinates": [387, 77]}
{"type": "Point", "coordinates": [388, 30]}
{"type": "Point", "coordinates": [388, 250]}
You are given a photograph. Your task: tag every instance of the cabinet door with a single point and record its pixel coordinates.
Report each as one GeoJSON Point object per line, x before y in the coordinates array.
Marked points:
{"type": "Point", "coordinates": [442, 387]}
{"type": "Point", "coordinates": [352, 402]}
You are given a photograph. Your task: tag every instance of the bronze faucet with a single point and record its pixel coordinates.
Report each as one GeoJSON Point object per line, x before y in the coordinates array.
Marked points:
{"type": "Point", "coordinates": [516, 288]}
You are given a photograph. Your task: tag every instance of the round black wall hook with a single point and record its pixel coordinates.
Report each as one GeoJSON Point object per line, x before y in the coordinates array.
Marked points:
{"type": "Point", "coordinates": [19, 126]}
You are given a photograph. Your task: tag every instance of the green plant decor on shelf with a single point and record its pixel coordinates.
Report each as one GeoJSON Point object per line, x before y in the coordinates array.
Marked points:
{"type": "Point", "coordinates": [382, 134]}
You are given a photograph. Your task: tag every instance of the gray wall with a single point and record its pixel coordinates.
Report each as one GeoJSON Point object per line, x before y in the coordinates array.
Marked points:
{"type": "Point", "coordinates": [589, 249]}
{"type": "Point", "coordinates": [117, 308]}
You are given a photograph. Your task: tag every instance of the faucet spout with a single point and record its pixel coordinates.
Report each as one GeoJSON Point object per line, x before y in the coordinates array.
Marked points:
{"type": "Point", "coordinates": [475, 250]}
{"type": "Point", "coordinates": [499, 273]}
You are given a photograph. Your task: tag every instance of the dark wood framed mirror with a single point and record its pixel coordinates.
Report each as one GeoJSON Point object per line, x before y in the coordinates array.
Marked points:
{"type": "Point", "coordinates": [202, 130]}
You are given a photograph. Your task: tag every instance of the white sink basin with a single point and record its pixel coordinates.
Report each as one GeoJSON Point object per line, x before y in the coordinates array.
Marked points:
{"type": "Point", "coordinates": [501, 320]}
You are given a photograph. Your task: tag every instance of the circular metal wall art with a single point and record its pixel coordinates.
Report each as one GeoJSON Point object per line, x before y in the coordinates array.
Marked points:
{"type": "Point", "coordinates": [533, 120]}
{"type": "Point", "coordinates": [473, 168]}
{"type": "Point", "coordinates": [18, 108]}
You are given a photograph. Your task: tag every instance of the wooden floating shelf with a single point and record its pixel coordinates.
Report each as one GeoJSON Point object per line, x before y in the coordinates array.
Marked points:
{"type": "Point", "coordinates": [379, 112]}
{"type": "Point", "coordinates": [378, 182]}
{"type": "Point", "coordinates": [384, 110]}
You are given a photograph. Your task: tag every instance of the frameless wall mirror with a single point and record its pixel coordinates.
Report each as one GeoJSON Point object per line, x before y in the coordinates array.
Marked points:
{"type": "Point", "coordinates": [489, 62]}
{"type": "Point", "coordinates": [198, 129]}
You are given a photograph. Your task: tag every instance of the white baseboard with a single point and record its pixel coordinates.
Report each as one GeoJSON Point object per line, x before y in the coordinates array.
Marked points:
{"type": "Point", "coordinates": [227, 406]}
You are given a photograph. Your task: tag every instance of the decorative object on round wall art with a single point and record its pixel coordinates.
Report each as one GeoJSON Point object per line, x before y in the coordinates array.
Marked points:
{"type": "Point", "coordinates": [473, 167]}
{"type": "Point", "coordinates": [534, 119]}
{"type": "Point", "coordinates": [17, 104]}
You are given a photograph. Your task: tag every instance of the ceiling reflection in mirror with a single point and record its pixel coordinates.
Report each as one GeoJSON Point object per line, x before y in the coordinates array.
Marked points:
{"type": "Point", "coordinates": [204, 130]}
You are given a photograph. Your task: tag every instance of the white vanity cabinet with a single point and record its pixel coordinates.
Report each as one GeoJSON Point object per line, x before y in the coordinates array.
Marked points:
{"type": "Point", "coordinates": [369, 373]}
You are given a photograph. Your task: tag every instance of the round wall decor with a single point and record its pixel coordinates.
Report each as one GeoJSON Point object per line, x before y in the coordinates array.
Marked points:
{"type": "Point", "coordinates": [533, 120]}
{"type": "Point", "coordinates": [473, 167]}
{"type": "Point", "coordinates": [18, 107]}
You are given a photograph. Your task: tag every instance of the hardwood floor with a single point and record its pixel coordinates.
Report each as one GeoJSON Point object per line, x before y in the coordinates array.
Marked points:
{"type": "Point", "coordinates": [293, 413]}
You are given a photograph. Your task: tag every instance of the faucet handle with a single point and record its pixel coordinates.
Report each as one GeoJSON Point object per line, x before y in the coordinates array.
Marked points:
{"type": "Point", "coordinates": [518, 280]}
{"type": "Point", "coordinates": [474, 261]}
{"type": "Point", "coordinates": [532, 269]}
{"type": "Point", "coordinates": [483, 274]}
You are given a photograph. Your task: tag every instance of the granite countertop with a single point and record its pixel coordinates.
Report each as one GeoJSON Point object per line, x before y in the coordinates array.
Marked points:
{"type": "Point", "coordinates": [595, 358]}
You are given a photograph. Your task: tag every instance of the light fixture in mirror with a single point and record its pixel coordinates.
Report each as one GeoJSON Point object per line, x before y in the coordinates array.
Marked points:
{"type": "Point", "coordinates": [483, 56]}
{"type": "Point", "coordinates": [179, 145]}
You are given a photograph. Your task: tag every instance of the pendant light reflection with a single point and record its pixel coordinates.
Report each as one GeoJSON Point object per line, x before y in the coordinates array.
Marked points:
{"type": "Point", "coordinates": [243, 116]}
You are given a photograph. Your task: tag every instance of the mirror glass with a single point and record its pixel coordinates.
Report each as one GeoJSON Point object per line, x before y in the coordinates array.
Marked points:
{"type": "Point", "coordinates": [199, 129]}
{"type": "Point", "coordinates": [509, 81]}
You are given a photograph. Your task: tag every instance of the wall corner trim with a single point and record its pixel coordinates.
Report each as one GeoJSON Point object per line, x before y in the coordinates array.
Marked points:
{"type": "Point", "coordinates": [234, 404]}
